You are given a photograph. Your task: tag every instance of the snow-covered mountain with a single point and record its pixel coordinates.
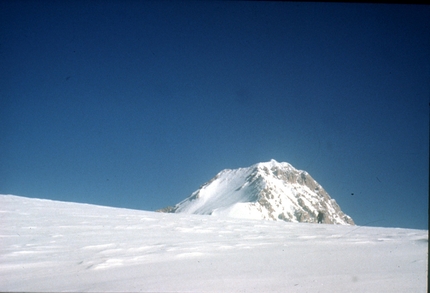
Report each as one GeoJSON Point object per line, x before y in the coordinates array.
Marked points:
{"type": "Point", "coordinates": [270, 190]}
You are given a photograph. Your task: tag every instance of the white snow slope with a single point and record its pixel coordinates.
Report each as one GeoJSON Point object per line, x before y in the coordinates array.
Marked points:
{"type": "Point", "coordinates": [269, 190]}
{"type": "Point", "coordinates": [56, 246]}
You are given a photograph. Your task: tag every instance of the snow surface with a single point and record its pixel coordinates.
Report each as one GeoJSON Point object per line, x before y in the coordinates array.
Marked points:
{"type": "Point", "coordinates": [57, 246]}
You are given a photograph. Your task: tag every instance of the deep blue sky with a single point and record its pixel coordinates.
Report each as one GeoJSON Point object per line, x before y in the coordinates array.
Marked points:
{"type": "Point", "coordinates": [136, 104]}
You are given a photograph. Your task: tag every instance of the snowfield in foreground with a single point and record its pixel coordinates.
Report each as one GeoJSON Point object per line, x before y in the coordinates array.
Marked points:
{"type": "Point", "coordinates": [57, 246]}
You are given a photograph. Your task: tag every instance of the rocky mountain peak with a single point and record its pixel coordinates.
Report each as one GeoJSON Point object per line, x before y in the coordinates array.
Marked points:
{"type": "Point", "coordinates": [268, 190]}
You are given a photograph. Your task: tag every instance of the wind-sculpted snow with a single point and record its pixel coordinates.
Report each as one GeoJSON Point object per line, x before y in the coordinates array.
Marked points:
{"type": "Point", "coordinates": [57, 246]}
{"type": "Point", "coordinates": [270, 191]}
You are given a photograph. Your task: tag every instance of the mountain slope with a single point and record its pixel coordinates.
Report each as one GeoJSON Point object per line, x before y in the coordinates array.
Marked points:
{"type": "Point", "coordinates": [52, 246]}
{"type": "Point", "coordinates": [270, 190]}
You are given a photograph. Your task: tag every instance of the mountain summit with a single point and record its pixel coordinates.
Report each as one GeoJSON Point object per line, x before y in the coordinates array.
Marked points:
{"type": "Point", "coordinates": [270, 190]}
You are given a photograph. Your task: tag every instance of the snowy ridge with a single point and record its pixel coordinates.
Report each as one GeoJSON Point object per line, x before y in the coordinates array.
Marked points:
{"type": "Point", "coordinates": [269, 190]}
{"type": "Point", "coordinates": [52, 246]}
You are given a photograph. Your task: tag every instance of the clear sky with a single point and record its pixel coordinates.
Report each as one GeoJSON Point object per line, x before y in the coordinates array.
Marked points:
{"type": "Point", "coordinates": [136, 104]}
